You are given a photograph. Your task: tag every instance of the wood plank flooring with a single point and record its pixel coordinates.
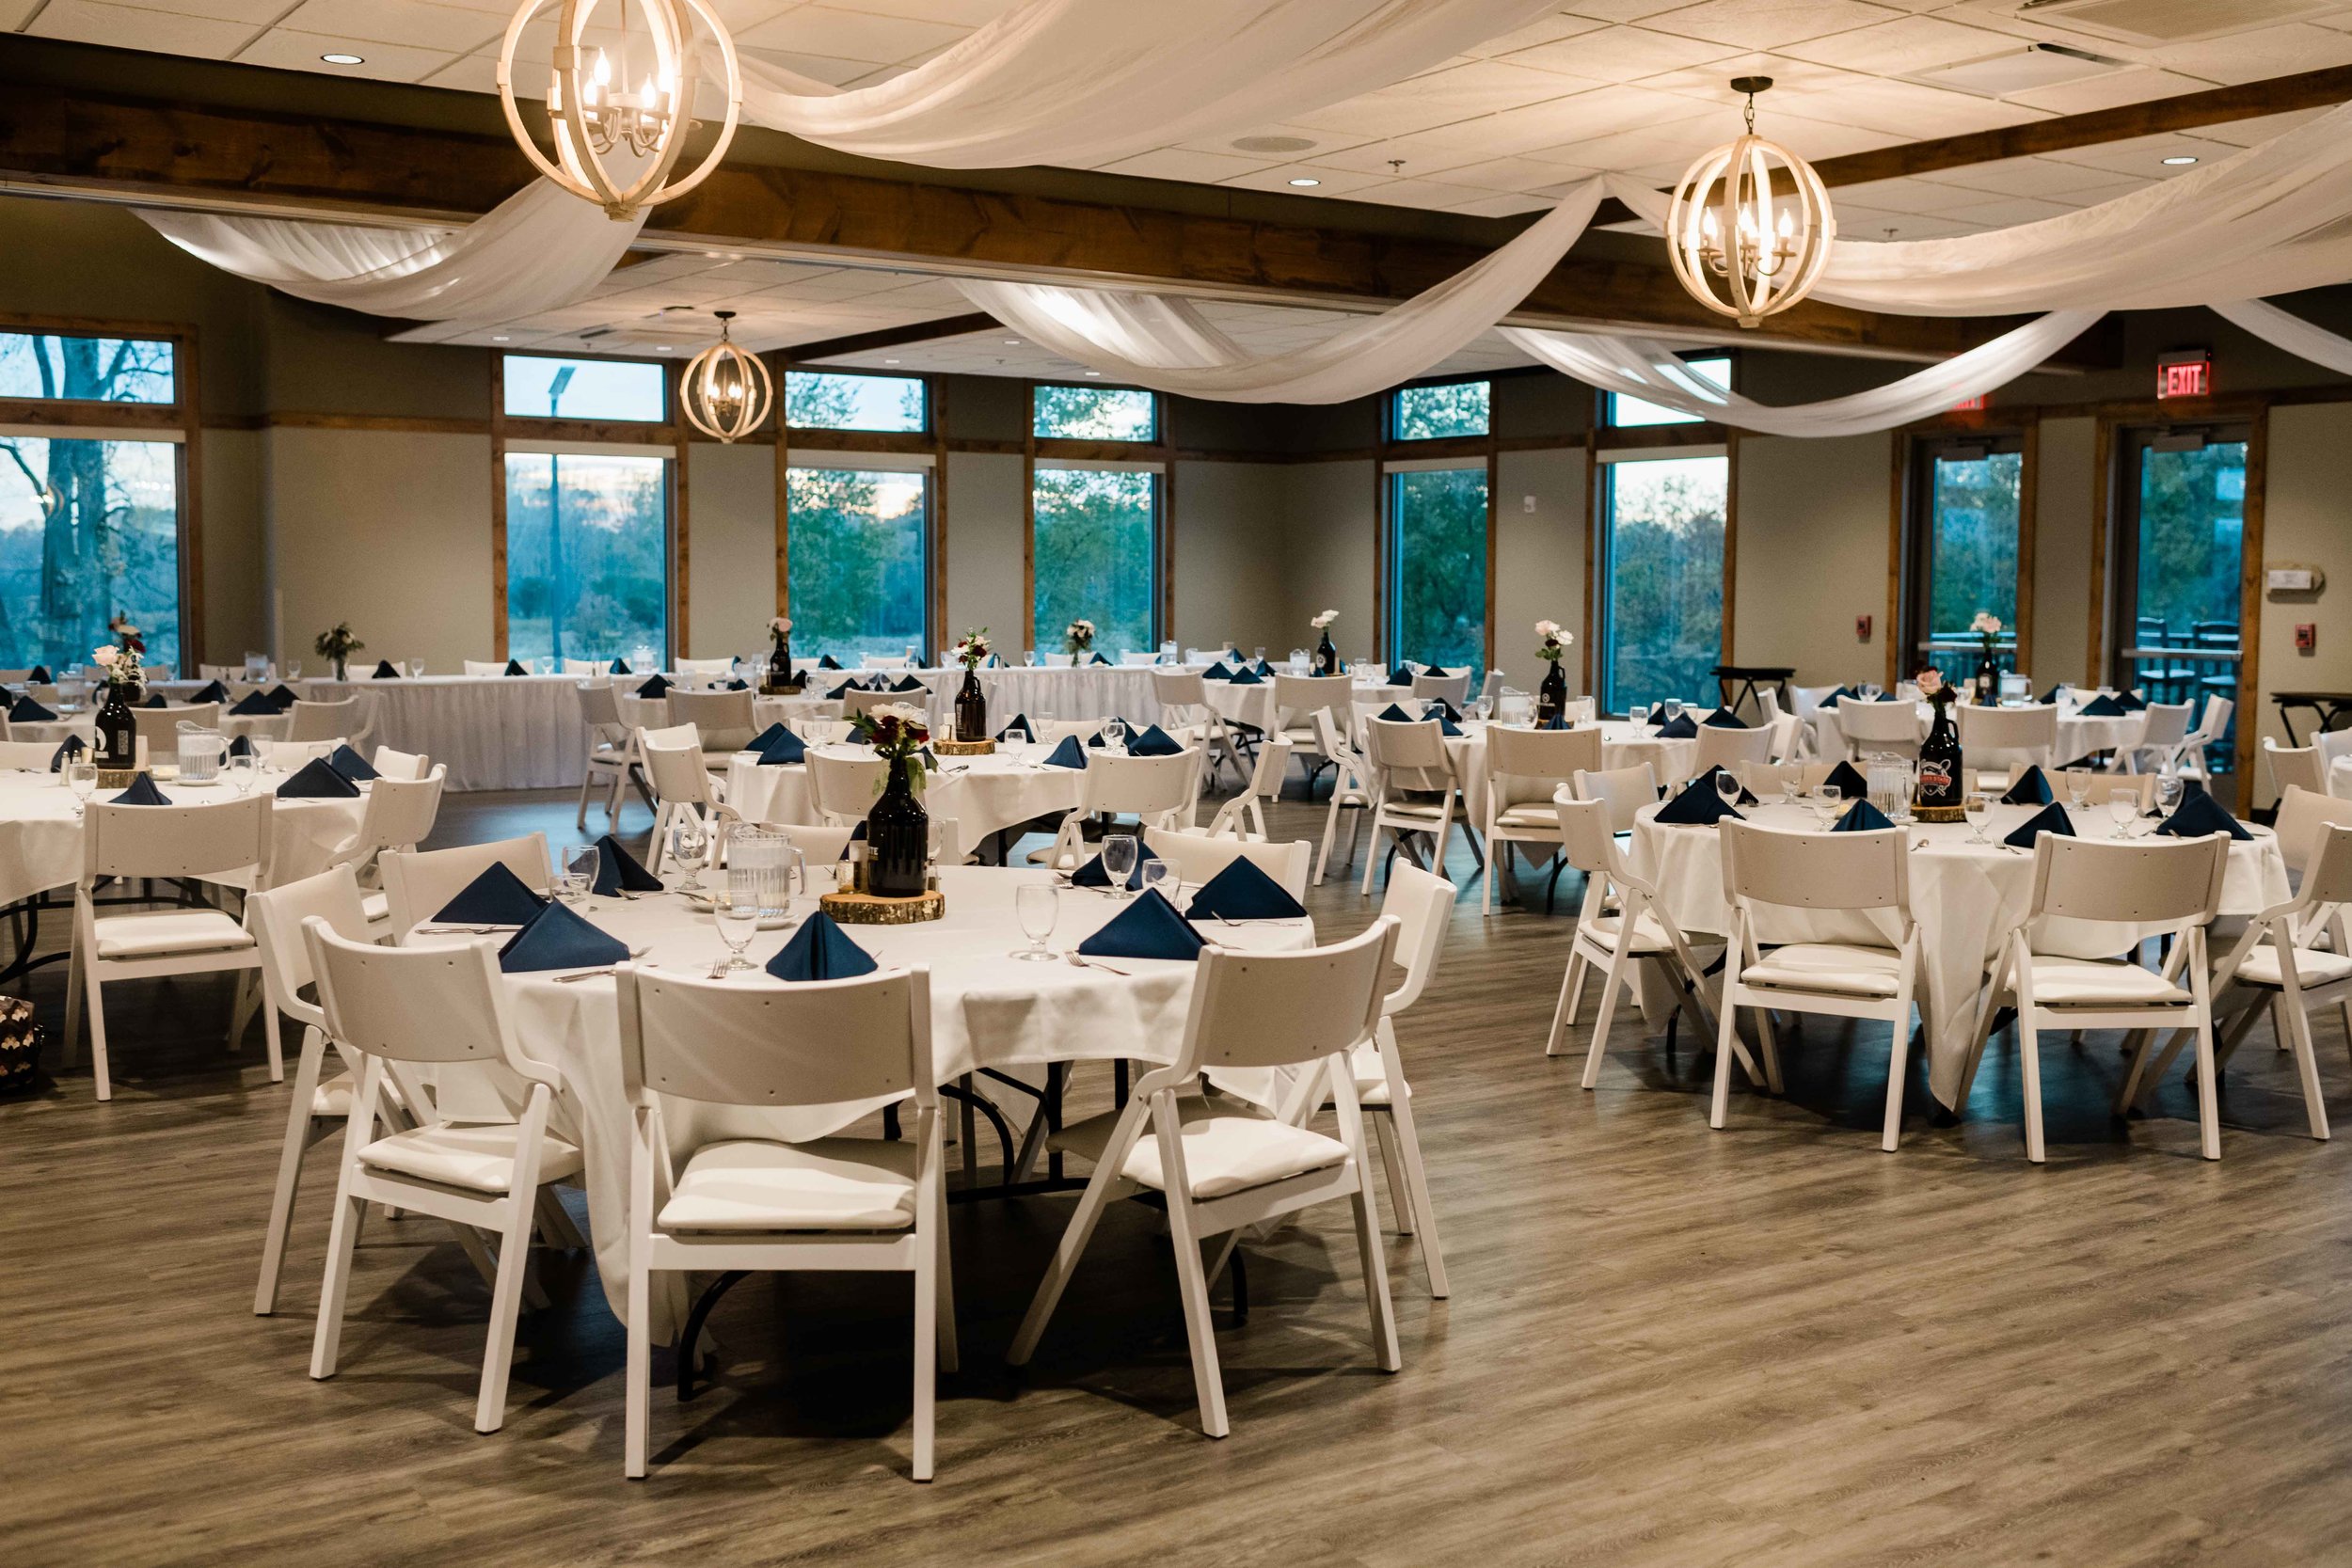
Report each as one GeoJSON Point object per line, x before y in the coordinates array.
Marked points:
{"type": "Point", "coordinates": [1773, 1347]}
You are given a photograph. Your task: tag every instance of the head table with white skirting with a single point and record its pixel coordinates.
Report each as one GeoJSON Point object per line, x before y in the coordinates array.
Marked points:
{"type": "Point", "coordinates": [1966, 897]}
{"type": "Point", "coordinates": [2077, 736]}
{"type": "Point", "coordinates": [982, 795]}
{"type": "Point", "coordinates": [988, 1010]}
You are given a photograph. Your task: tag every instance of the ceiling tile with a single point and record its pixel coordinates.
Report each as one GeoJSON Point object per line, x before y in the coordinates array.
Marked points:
{"type": "Point", "coordinates": [1549, 30]}
{"type": "Point", "coordinates": [2001, 214]}
{"type": "Point", "coordinates": [2039, 177]}
{"type": "Point", "coordinates": [418, 25]}
{"type": "Point", "coordinates": [818, 68]}
{"type": "Point", "coordinates": [957, 13]}
{"type": "Point", "coordinates": [1908, 43]}
{"type": "Point", "coordinates": [1422, 154]}
{"type": "Point", "coordinates": [1766, 24]}
{"type": "Point", "coordinates": [2246, 132]}
{"type": "Point", "coordinates": [1333, 179]}
{"type": "Point", "coordinates": [1621, 54]}
{"type": "Point", "coordinates": [388, 62]}
{"type": "Point", "coordinates": [1507, 174]}
{"type": "Point", "coordinates": [2251, 57]}
{"type": "Point", "coordinates": [2137, 85]}
{"type": "Point", "coordinates": [1503, 206]}
{"type": "Point", "coordinates": [94, 22]}
{"type": "Point", "coordinates": [1171, 163]}
{"type": "Point", "coordinates": [2140, 155]}
{"type": "Point", "coordinates": [1866, 223]}
{"type": "Point", "coordinates": [1620, 10]}
{"type": "Point", "coordinates": [851, 35]}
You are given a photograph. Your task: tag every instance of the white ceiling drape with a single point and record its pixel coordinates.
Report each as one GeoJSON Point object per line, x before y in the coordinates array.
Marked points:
{"type": "Point", "coordinates": [2290, 332]}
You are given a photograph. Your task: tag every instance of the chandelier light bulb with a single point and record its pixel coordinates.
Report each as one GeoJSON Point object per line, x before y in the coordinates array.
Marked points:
{"type": "Point", "coordinates": [1776, 211]}
{"type": "Point", "coordinates": [725, 392]}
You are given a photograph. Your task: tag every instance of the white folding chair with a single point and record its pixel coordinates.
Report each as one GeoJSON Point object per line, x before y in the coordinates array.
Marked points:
{"type": "Point", "coordinates": [679, 776]}
{"type": "Point", "coordinates": [32, 756]}
{"type": "Point", "coordinates": [1992, 740]}
{"type": "Point", "coordinates": [1808, 698]}
{"type": "Point", "coordinates": [160, 726]}
{"type": "Point", "coordinates": [1413, 789]}
{"type": "Point", "coordinates": [231, 838]}
{"type": "Point", "coordinates": [2294, 767]}
{"type": "Point", "coordinates": [345, 720]}
{"type": "Point", "coordinates": [1221, 1164]}
{"type": "Point", "coordinates": [1525, 769]}
{"type": "Point", "coordinates": [1440, 685]}
{"type": "Point", "coordinates": [478, 668]}
{"type": "Point", "coordinates": [1626, 791]}
{"type": "Point", "coordinates": [427, 1007]}
{"type": "Point", "coordinates": [399, 814]}
{"type": "Point", "coordinates": [844, 785]}
{"type": "Point", "coordinates": [1193, 857]}
{"type": "Point", "coordinates": [2210, 732]}
{"type": "Point", "coordinates": [895, 662]}
{"type": "Point", "coordinates": [722, 719]}
{"type": "Point", "coordinates": [2148, 888]}
{"type": "Point", "coordinates": [587, 666]}
{"type": "Point", "coordinates": [1419, 904]}
{"type": "Point", "coordinates": [1351, 789]}
{"type": "Point", "coordinates": [740, 1203]}
{"type": "Point", "coordinates": [409, 765]}
{"type": "Point", "coordinates": [1879, 727]}
{"type": "Point", "coordinates": [854, 702]}
{"type": "Point", "coordinates": [417, 885]}
{"type": "Point", "coordinates": [1187, 714]}
{"type": "Point", "coordinates": [2301, 826]}
{"type": "Point", "coordinates": [1296, 700]}
{"type": "Point", "coordinates": [1158, 792]}
{"type": "Point", "coordinates": [705, 666]}
{"type": "Point", "coordinates": [1856, 873]}
{"type": "Point", "coordinates": [2159, 744]}
{"type": "Point", "coordinates": [1263, 789]}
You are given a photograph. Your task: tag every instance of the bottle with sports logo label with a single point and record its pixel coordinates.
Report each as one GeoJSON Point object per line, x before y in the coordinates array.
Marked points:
{"type": "Point", "coordinates": [1943, 774]}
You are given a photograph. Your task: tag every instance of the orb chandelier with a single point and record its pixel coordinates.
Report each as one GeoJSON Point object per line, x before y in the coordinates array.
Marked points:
{"type": "Point", "coordinates": [620, 110]}
{"type": "Point", "coordinates": [725, 391]}
{"type": "Point", "coordinates": [1741, 246]}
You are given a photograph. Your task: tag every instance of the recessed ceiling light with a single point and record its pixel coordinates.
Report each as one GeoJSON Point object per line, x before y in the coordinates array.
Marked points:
{"type": "Point", "coordinates": [2179, 160]}
{"type": "Point", "coordinates": [890, 361]}
{"type": "Point", "coordinates": [661, 348]}
{"type": "Point", "coordinates": [1305, 183]}
{"type": "Point", "coordinates": [501, 337]}
{"type": "Point", "coordinates": [1012, 342]}
{"type": "Point", "coordinates": [342, 59]}
{"type": "Point", "coordinates": [1094, 373]}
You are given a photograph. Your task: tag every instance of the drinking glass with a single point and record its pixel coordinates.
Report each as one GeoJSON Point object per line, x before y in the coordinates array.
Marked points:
{"type": "Point", "coordinates": [294, 669]}
{"type": "Point", "coordinates": [1870, 691]}
{"type": "Point", "coordinates": [240, 770]}
{"type": "Point", "coordinates": [81, 776]}
{"type": "Point", "coordinates": [736, 912]}
{"type": "Point", "coordinates": [580, 872]}
{"type": "Point", "coordinates": [2168, 788]}
{"type": "Point", "coordinates": [1728, 785]}
{"type": "Point", "coordinates": [1038, 906]}
{"type": "Point", "coordinates": [2122, 805]}
{"type": "Point", "coordinates": [1115, 731]}
{"type": "Point", "coordinates": [415, 667]}
{"type": "Point", "coordinates": [1673, 708]}
{"type": "Point", "coordinates": [1298, 658]}
{"type": "Point", "coordinates": [689, 841]}
{"type": "Point", "coordinates": [1119, 859]}
{"type": "Point", "coordinates": [1793, 780]}
{"type": "Point", "coordinates": [1978, 808]}
{"type": "Point", "coordinates": [1830, 799]}
{"type": "Point", "coordinates": [1154, 875]}
{"type": "Point", "coordinates": [2079, 789]}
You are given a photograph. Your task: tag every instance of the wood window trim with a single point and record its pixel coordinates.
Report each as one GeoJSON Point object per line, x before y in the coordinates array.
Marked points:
{"type": "Point", "coordinates": [1161, 450]}
{"type": "Point", "coordinates": [931, 442]}
{"type": "Point", "coordinates": [1903, 563]}
{"type": "Point", "coordinates": [1473, 451]}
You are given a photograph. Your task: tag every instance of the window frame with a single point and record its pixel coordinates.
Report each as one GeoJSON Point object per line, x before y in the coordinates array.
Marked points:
{"type": "Point", "coordinates": [845, 459]}
{"type": "Point", "coordinates": [1158, 438]}
{"type": "Point", "coordinates": [922, 432]}
{"type": "Point", "coordinates": [1393, 410]}
{"type": "Point", "coordinates": [1075, 453]}
{"type": "Point", "coordinates": [1389, 636]}
{"type": "Point", "coordinates": [1163, 492]}
{"type": "Point", "coordinates": [1910, 599]}
{"type": "Point", "coordinates": [1639, 444]}
{"type": "Point", "coordinates": [178, 424]}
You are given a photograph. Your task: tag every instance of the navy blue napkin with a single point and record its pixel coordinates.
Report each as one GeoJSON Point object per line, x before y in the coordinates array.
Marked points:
{"type": "Point", "coordinates": [74, 746]}
{"type": "Point", "coordinates": [1247, 677]}
{"type": "Point", "coordinates": [1020, 726]}
{"type": "Point", "coordinates": [1400, 676]}
{"type": "Point", "coordinates": [619, 872]}
{"type": "Point", "coordinates": [350, 764]}
{"type": "Point", "coordinates": [2101, 707]}
{"type": "Point", "coordinates": [1147, 929]}
{"type": "Point", "coordinates": [784, 751]}
{"type": "Point", "coordinates": [829, 662]}
{"type": "Point", "coordinates": [1395, 715]}
{"type": "Point", "coordinates": [1243, 891]}
{"type": "Point", "coordinates": [1262, 669]}
{"type": "Point", "coordinates": [243, 747]}
{"type": "Point", "coordinates": [1447, 710]}
{"type": "Point", "coordinates": [842, 690]}
{"type": "Point", "coordinates": [142, 793]}
{"type": "Point", "coordinates": [1861, 817]}
{"type": "Point", "coordinates": [2200, 814]}
{"type": "Point", "coordinates": [555, 938]}
{"type": "Point", "coordinates": [1099, 658]}
{"type": "Point", "coordinates": [1886, 697]}
{"type": "Point", "coordinates": [1837, 696]}
{"type": "Point", "coordinates": [2032, 788]}
{"type": "Point", "coordinates": [620, 667]}
{"type": "Point", "coordinates": [157, 700]}
{"type": "Point", "coordinates": [1154, 742]}
{"type": "Point", "coordinates": [2049, 819]}
{"type": "Point", "coordinates": [1724, 718]}
{"type": "Point", "coordinates": [1092, 875]}
{"type": "Point", "coordinates": [1556, 722]}
{"type": "Point", "coordinates": [40, 672]}
{"type": "Point", "coordinates": [1217, 671]}
{"type": "Point", "coordinates": [657, 687]}
{"type": "Point", "coordinates": [1698, 807]}
{"type": "Point", "coordinates": [821, 950]}
{"type": "Point", "coordinates": [908, 682]}
{"type": "Point", "coordinates": [1678, 728]}
{"type": "Point", "coordinates": [514, 668]}
{"type": "Point", "coordinates": [2131, 702]}
{"type": "Point", "coordinates": [767, 737]}
{"type": "Point", "coordinates": [214, 693]}
{"type": "Point", "coordinates": [497, 897]}
{"type": "Point", "coordinates": [1848, 780]}
{"type": "Point", "coordinates": [2048, 697]}
{"type": "Point", "coordinates": [930, 763]}
{"type": "Point", "coordinates": [384, 671]}
{"type": "Point", "coordinates": [739, 684]}
{"type": "Point", "coordinates": [1448, 727]}
{"type": "Point", "coordinates": [1746, 796]}
{"type": "Point", "coordinates": [254, 705]}
{"type": "Point", "coordinates": [282, 696]}
{"type": "Point", "coordinates": [1097, 742]}
{"type": "Point", "coordinates": [1068, 754]}
{"type": "Point", "coordinates": [318, 780]}
{"type": "Point", "coordinates": [27, 711]}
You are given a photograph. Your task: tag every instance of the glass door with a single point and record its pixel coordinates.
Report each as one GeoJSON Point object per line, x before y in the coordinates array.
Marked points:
{"type": "Point", "coordinates": [2180, 569]}
{"type": "Point", "coordinates": [1963, 548]}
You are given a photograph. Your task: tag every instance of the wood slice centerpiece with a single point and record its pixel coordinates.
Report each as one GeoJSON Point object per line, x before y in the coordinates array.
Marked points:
{"type": "Point", "coordinates": [965, 748]}
{"type": "Point", "coordinates": [866, 909]}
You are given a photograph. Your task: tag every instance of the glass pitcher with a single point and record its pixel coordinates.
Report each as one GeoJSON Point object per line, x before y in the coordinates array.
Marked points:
{"type": "Point", "coordinates": [201, 753]}
{"type": "Point", "coordinates": [776, 869]}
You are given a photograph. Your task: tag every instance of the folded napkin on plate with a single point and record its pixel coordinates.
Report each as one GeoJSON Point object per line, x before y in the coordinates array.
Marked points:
{"type": "Point", "coordinates": [618, 667]}
{"type": "Point", "coordinates": [2049, 819]}
{"type": "Point", "coordinates": [1154, 742]}
{"type": "Point", "coordinates": [1850, 782]}
{"type": "Point", "coordinates": [1147, 929]}
{"type": "Point", "coordinates": [619, 872]}
{"type": "Point", "coordinates": [766, 736]}
{"type": "Point", "coordinates": [908, 682]}
{"type": "Point", "coordinates": [213, 692]}
{"type": "Point", "coordinates": [254, 705]}
{"type": "Point", "coordinates": [2049, 697]}
{"type": "Point", "coordinates": [842, 690]}
{"type": "Point", "coordinates": [1447, 710]}
{"type": "Point", "coordinates": [1844, 693]}
{"type": "Point", "coordinates": [1099, 658]}
{"type": "Point", "coordinates": [1068, 754]}
{"type": "Point", "coordinates": [829, 662]}
{"type": "Point", "coordinates": [1861, 817]}
{"type": "Point", "coordinates": [497, 897]}
{"type": "Point", "coordinates": [346, 760]}
{"type": "Point", "coordinates": [282, 696]}
{"type": "Point", "coordinates": [821, 950]}
{"type": "Point", "coordinates": [1401, 674]}
{"type": "Point", "coordinates": [318, 780]}
{"type": "Point", "coordinates": [1698, 807]}
{"type": "Point", "coordinates": [156, 700]}
{"type": "Point", "coordinates": [1678, 728]}
{"type": "Point", "coordinates": [1217, 671]}
{"type": "Point", "coordinates": [2131, 702]}
{"type": "Point", "coordinates": [142, 793]}
{"type": "Point", "coordinates": [1888, 697]}
{"type": "Point", "coordinates": [1262, 669]}
{"type": "Point", "coordinates": [1724, 718]}
{"type": "Point", "coordinates": [2200, 814]}
{"type": "Point", "coordinates": [1395, 715]}
{"type": "Point", "coordinates": [1448, 727]}
{"type": "Point", "coordinates": [26, 711]}
{"type": "Point", "coordinates": [243, 747]}
{"type": "Point", "coordinates": [2101, 707]}
{"type": "Point", "coordinates": [384, 671]}
{"type": "Point", "coordinates": [1097, 742]}
{"type": "Point", "coordinates": [739, 684]}
{"type": "Point", "coordinates": [784, 751]}
{"type": "Point", "coordinates": [1243, 891]}
{"type": "Point", "coordinates": [1020, 726]}
{"type": "Point", "coordinates": [74, 746]}
{"type": "Point", "coordinates": [1247, 677]}
{"type": "Point", "coordinates": [657, 687]}
{"type": "Point", "coordinates": [2032, 788]}
{"type": "Point", "coordinates": [40, 672]}
{"type": "Point", "coordinates": [513, 667]}
{"type": "Point", "coordinates": [1092, 875]}
{"type": "Point", "coordinates": [1746, 799]}
{"type": "Point", "coordinates": [555, 938]}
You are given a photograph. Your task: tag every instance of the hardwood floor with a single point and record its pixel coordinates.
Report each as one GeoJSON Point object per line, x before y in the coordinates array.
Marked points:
{"type": "Point", "coordinates": [1769, 1346]}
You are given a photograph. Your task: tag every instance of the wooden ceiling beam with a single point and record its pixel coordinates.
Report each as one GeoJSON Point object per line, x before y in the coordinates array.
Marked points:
{"type": "Point", "coordinates": [888, 337]}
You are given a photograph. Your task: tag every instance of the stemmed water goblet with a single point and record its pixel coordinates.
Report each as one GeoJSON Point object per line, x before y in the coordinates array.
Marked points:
{"type": "Point", "coordinates": [1978, 808]}
{"type": "Point", "coordinates": [81, 776]}
{"type": "Point", "coordinates": [689, 842]}
{"type": "Point", "coordinates": [1038, 906]}
{"type": "Point", "coordinates": [1118, 860]}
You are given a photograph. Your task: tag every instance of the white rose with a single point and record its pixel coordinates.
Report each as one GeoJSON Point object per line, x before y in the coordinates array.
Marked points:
{"type": "Point", "coordinates": [904, 713]}
{"type": "Point", "coordinates": [782, 625]}
{"type": "Point", "coordinates": [105, 656]}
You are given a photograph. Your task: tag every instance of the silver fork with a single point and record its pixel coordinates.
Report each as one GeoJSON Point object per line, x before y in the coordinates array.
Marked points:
{"type": "Point", "coordinates": [1083, 962]}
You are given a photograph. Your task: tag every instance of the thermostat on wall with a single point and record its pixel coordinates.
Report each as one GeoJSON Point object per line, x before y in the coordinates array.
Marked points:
{"type": "Point", "coordinates": [2294, 579]}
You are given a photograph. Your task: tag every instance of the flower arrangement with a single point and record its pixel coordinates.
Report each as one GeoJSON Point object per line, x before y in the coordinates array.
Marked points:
{"type": "Point", "coordinates": [1080, 636]}
{"type": "Point", "coordinates": [895, 730]}
{"type": "Point", "coordinates": [1987, 627]}
{"type": "Point", "coordinates": [973, 649]}
{"type": "Point", "coordinates": [1933, 688]}
{"type": "Point", "coordinates": [121, 659]}
{"type": "Point", "coordinates": [1554, 643]}
{"type": "Point", "coordinates": [1324, 621]}
{"type": "Point", "coordinates": [337, 644]}
{"type": "Point", "coordinates": [780, 629]}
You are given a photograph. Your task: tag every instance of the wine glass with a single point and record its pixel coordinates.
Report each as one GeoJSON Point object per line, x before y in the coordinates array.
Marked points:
{"type": "Point", "coordinates": [240, 771]}
{"type": "Point", "coordinates": [1728, 785]}
{"type": "Point", "coordinates": [1830, 799]}
{"type": "Point", "coordinates": [294, 669]}
{"type": "Point", "coordinates": [1115, 731]}
{"type": "Point", "coordinates": [734, 910]}
{"type": "Point", "coordinates": [2122, 805]}
{"type": "Point", "coordinates": [1977, 807]}
{"type": "Point", "coordinates": [580, 872]}
{"type": "Point", "coordinates": [81, 776]}
{"type": "Point", "coordinates": [1154, 875]}
{"type": "Point", "coordinates": [1673, 708]}
{"type": "Point", "coordinates": [2168, 789]}
{"type": "Point", "coordinates": [1870, 691]}
{"type": "Point", "coordinates": [2078, 788]}
{"type": "Point", "coordinates": [1119, 859]}
{"type": "Point", "coordinates": [415, 667]}
{"type": "Point", "coordinates": [1038, 906]}
{"type": "Point", "coordinates": [689, 842]}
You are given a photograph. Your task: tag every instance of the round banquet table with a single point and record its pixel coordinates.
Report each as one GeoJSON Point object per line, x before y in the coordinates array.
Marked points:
{"type": "Point", "coordinates": [2077, 737]}
{"type": "Point", "coordinates": [1624, 743]}
{"type": "Point", "coordinates": [982, 795]}
{"type": "Point", "coordinates": [988, 1010]}
{"type": "Point", "coordinates": [1967, 897]}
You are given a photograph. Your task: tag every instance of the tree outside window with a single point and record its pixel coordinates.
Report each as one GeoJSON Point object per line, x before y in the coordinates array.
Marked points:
{"type": "Point", "coordinates": [1664, 593]}
{"type": "Point", "coordinates": [1438, 534]}
{"type": "Point", "coordinates": [1095, 556]}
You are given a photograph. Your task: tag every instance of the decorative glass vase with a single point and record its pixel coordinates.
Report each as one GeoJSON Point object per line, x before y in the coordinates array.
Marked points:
{"type": "Point", "coordinates": [971, 709]}
{"type": "Point", "coordinates": [779, 676]}
{"type": "Point", "coordinates": [1552, 697]}
{"type": "Point", "coordinates": [117, 752]}
{"type": "Point", "coordinates": [898, 838]}
{"type": "Point", "coordinates": [1988, 677]}
{"type": "Point", "coordinates": [1327, 656]}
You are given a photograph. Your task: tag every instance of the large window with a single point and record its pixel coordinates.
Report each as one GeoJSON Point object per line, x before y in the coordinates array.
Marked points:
{"type": "Point", "coordinates": [818, 400]}
{"type": "Point", "coordinates": [860, 560]}
{"type": "Point", "coordinates": [538, 388]}
{"type": "Point", "coordinates": [2183, 549]}
{"type": "Point", "coordinates": [1448, 408]}
{"type": "Point", "coordinates": [1662, 578]}
{"type": "Point", "coordinates": [1964, 543]}
{"type": "Point", "coordinates": [587, 556]}
{"type": "Point", "coordinates": [1095, 555]}
{"type": "Point", "coordinates": [1096, 413]}
{"type": "Point", "coordinates": [1437, 574]}
{"type": "Point", "coordinates": [95, 370]}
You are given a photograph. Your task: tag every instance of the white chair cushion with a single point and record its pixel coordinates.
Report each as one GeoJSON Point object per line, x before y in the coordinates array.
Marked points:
{"type": "Point", "coordinates": [2311, 968]}
{"type": "Point", "coordinates": [1229, 1147]}
{"type": "Point", "coordinates": [826, 1184]}
{"type": "Point", "coordinates": [1420, 811]}
{"type": "Point", "coordinates": [1649, 935]}
{"type": "Point", "coordinates": [1530, 816]}
{"type": "Point", "coordinates": [2101, 983]}
{"type": "Point", "coordinates": [479, 1158]}
{"type": "Point", "coordinates": [1828, 966]}
{"type": "Point", "coordinates": [1371, 1078]}
{"type": "Point", "coordinates": [333, 1096]}
{"type": "Point", "coordinates": [156, 936]}
{"type": "Point", "coordinates": [375, 907]}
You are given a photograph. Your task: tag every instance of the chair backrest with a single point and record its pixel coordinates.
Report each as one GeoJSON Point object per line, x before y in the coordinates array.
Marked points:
{"type": "Point", "coordinates": [1332, 739]}
{"type": "Point", "coordinates": [1723, 748]}
{"type": "Point", "coordinates": [1266, 773]}
{"type": "Point", "coordinates": [1997, 736]}
{"type": "Point", "coordinates": [710, 711]}
{"type": "Point", "coordinates": [1530, 765]}
{"type": "Point", "coordinates": [598, 709]}
{"type": "Point", "coordinates": [1179, 688]}
{"type": "Point", "coordinates": [676, 771]}
{"type": "Point", "coordinates": [2167, 724]}
{"type": "Point", "coordinates": [2329, 879]}
{"type": "Point", "coordinates": [485, 667]}
{"type": "Point", "coordinates": [1454, 687]}
{"type": "Point", "coordinates": [2294, 767]}
{"type": "Point", "coordinates": [1624, 790]}
{"type": "Point", "coordinates": [1809, 697]}
{"type": "Point", "coordinates": [324, 720]}
{"type": "Point", "coordinates": [160, 726]}
{"type": "Point", "coordinates": [2104, 785]}
{"type": "Point", "coordinates": [1053, 732]}
{"type": "Point", "coordinates": [399, 765]}
{"type": "Point", "coordinates": [1817, 871]}
{"type": "Point", "coordinates": [29, 756]}
{"type": "Point", "coordinates": [418, 883]}
{"type": "Point", "coordinates": [176, 840]}
{"type": "Point", "coordinates": [1410, 756]}
{"type": "Point", "coordinates": [586, 666]}
{"type": "Point", "coordinates": [1890, 726]}
{"type": "Point", "coordinates": [415, 1004]}
{"type": "Point", "coordinates": [856, 701]}
{"type": "Point", "coordinates": [845, 782]}
{"type": "Point", "coordinates": [1491, 687]}
{"type": "Point", "coordinates": [2217, 720]}
{"type": "Point", "coordinates": [1194, 858]}
{"type": "Point", "coordinates": [275, 917]}
{"type": "Point", "coordinates": [2304, 818]}
{"type": "Point", "coordinates": [400, 813]}
{"type": "Point", "coordinates": [1588, 836]}
{"type": "Point", "coordinates": [2330, 747]}
{"type": "Point", "coordinates": [1296, 696]}
{"type": "Point", "coordinates": [1281, 1010]}
{"type": "Point", "coordinates": [1138, 786]}
{"type": "Point", "coordinates": [1766, 778]}
{"type": "Point", "coordinates": [821, 845]}
{"type": "Point", "coordinates": [704, 666]}
{"type": "Point", "coordinates": [1420, 902]}
{"type": "Point", "coordinates": [2146, 882]}
{"type": "Point", "coordinates": [1768, 701]}
{"type": "Point", "coordinates": [884, 661]}
{"type": "Point", "coordinates": [808, 1043]}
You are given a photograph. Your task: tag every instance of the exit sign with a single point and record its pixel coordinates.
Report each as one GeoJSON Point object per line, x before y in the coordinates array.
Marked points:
{"type": "Point", "coordinates": [2183, 375]}
{"type": "Point", "coordinates": [1970, 405]}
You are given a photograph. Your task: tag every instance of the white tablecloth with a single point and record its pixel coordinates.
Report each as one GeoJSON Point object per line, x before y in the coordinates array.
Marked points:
{"type": "Point", "coordinates": [984, 795]}
{"type": "Point", "coordinates": [40, 839]}
{"type": "Point", "coordinates": [2077, 737]}
{"type": "Point", "coordinates": [988, 1010]}
{"type": "Point", "coordinates": [1967, 897]}
{"type": "Point", "coordinates": [492, 732]}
